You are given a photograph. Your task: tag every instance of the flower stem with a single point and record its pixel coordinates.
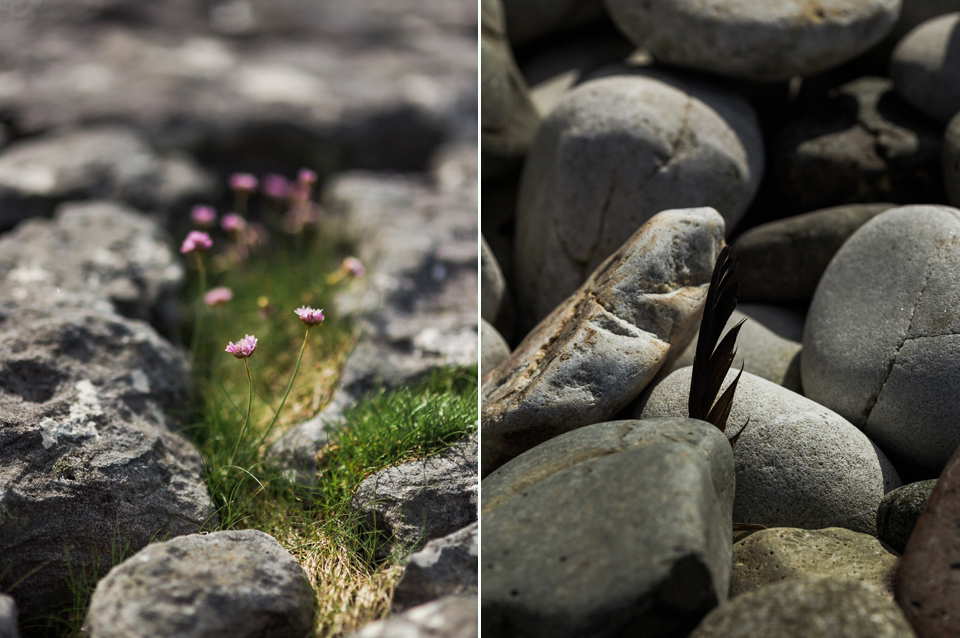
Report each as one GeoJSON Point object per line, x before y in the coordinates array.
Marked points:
{"type": "Point", "coordinates": [198, 323]}
{"type": "Point", "coordinates": [296, 369]}
{"type": "Point", "coordinates": [246, 420]}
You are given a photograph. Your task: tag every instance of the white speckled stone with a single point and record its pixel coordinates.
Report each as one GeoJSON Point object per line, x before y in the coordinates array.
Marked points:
{"type": "Point", "coordinates": [798, 464]}
{"type": "Point", "coordinates": [925, 67]}
{"type": "Point", "coordinates": [765, 40]}
{"type": "Point", "coordinates": [882, 338]}
{"type": "Point", "coordinates": [614, 152]}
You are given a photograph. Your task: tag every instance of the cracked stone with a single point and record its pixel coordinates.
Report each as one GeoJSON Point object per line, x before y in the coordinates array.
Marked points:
{"type": "Point", "coordinates": [601, 347]}
{"type": "Point", "coordinates": [882, 335]}
{"type": "Point", "coordinates": [616, 150]}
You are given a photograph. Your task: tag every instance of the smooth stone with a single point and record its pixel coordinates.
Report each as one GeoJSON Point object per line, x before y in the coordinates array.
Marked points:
{"type": "Point", "coordinates": [492, 284]}
{"type": "Point", "coordinates": [96, 162]}
{"type": "Point", "coordinates": [448, 617]}
{"type": "Point", "coordinates": [8, 617]}
{"type": "Point", "coordinates": [951, 160]}
{"type": "Point", "coordinates": [899, 511]}
{"type": "Point", "coordinates": [768, 344]}
{"type": "Point", "coordinates": [444, 566]}
{"type": "Point", "coordinates": [615, 151]}
{"type": "Point", "coordinates": [798, 464]}
{"type": "Point", "coordinates": [239, 583]}
{"type": "Point", "coordinates": [607, 341]}
{"type": "Point", "coordinates": [928, 584]}
{"type": "Point", "coordinates": [91, 456]}
{"type": "Point", "coordinates": [493, 348]}
{"type": "Point", "coordinates": [410, 504]}
{"type": "Point", "coordinates": [881, 334]}
{"type": "Point", "coordinates": [508, 118]}
{"type": "Point", "coordinates": [528, 20]}
{"type": "Point", "coordinates": [619, 528]}
{"type": "Point", "coordinates": [820, 608]}
{"type": "Point", "coordinates": [858, 142]}
{"type": "Point", "coordinates": [783, 553]}
{"type": "Point", "coordinates": [925, 67]}
{"type": "Point", "coordinates": [767, 41]}
{"type": "Point", "coordinates": [781, 262]}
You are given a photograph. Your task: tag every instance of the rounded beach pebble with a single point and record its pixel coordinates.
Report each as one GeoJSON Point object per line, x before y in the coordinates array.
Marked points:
{"type": "Point", "coordinates": [925, 67]}
{"type": "Point", "coordinates": [882, 337]}
{"type": "Point", "coordinates": [765, 40]}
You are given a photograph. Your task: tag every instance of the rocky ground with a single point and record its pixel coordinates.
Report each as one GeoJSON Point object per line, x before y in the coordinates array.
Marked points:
{"type": "Point", "coordinates": [624, 144]}
{"type": "Point", "coordinates": [116, 117]}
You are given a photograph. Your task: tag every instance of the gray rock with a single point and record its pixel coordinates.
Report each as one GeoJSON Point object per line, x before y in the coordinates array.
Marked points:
{"type": "Point", "coordinates": [615, 151]}
{"type": "Point", "coordinates": [600, 348]}
{"type": "Point", "coordinates": [782, 261]}
{"type": "Point", "coordinates": [821, 608]}
{"type": "Point", "coordinates": [798, 464]}
{"type": "Point", "coordinates": [899, 511]}
{"type": "Point", "coordinates": [102, 162]}
{"type": "Point", "coordinates": [8, 617]}
{"type": "Point", "coordinates": [768, 344]}
{"type": "Point", "coordinates": [492, 284]}
{"type": "Point", "coordinates": [619, 528]}
{"type": "Point", "coordinates": [925, 67]}
{"type": "Point", "coordinates": [859, 142]}
{"type": "Point", "coordinates": [231, 583]}
{"type": "Point", "coordinates": [416, 308]}
{"type": "Point", "coordinates": [765, 41]}
{"type": "Point", "coordinates": [408, 505]}
{"type": "Point", "coordinates": [881, 334]}
{"type": "Point", "coordinates": [443, 567]}
{"type": "Point", "coordinates": [493, 348]}
{"type": "Point", "coordinates": [784, 553]}
{"type": "Point", "coordinates": [508, 118]}
{"type": "Point", "coordinates": [449, 617]}
{"type": "Point", "coordinates": [528, 20]}
{"type": "Point", "coordinates": [102, 249]}
{"type": "Point", "coordinates": [91, 463]}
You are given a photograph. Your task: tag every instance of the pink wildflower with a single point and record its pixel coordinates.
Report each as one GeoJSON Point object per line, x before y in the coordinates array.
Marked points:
{"type": "Point", "coordinates": [203, 216]}
{"type": "Point", "coordinates": [353, 267]}
{"type": "Point", "coordinates": [233, 224]}
{"type": "Point", "coordinates": [243, 348]}
{"type": "Point", "coordinates": [196, 242]}
{"type": "Point", "coordinates": [309, 317]}
{"type": "Point", "coordinates": [276, 186]}
{"type": "Point", "coordinates": [218, 296]}
{"type": "Point", "coordinates": [243, 182]}
{"type": "Point", "coordinates": [306, 177]}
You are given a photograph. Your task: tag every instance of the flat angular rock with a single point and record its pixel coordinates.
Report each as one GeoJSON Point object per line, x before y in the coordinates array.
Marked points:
{"type": "Point", "coordinates": [781, 262]}
{"type": "Point", "coordinates": [784, 553]}
{"type": "Point", "coordinates": [419, 501]}
{"type": "Point", "coordinates": [798, 464]}
{"type": "Point", "coordinates": [100, 162]}
{"type": "Point", "coordinates": [449, 617]}
{"type": "Point", "coordinates": [106, 250]}
{"type": "Point", "coordinates": [760, 40]}
{"type": "Point", "coordinates": [90, 460]}
{"type": "Point", "coordinates": [882, 334]}
{"type": "Point", "coordinates": [925, 67]}
{"type": "Point", "coordinates": [232, 583]}
{"type": "Point", "coordinates": [619, 528]}
{"type": "Point", "coordinates": [600, 348]}
{"type": "Point", "coordinates": [444, 566]}
{"type": "Point", "coordinates": [768, 344]}
{"type": "Point", "coordinates": [928, 584]}
{"type": "Point", "coordinates": [821, 608]}
{"type": "Point", "coordinates": [899, 511]}
{"type": "Point", "coordinates": [617, 150]}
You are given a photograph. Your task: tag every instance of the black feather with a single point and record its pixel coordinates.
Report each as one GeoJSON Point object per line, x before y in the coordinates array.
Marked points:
{"type": "Point", "coordinates": [712, 360]}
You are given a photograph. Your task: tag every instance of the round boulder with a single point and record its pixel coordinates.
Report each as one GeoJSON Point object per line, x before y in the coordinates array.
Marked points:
{"type": "Point", "coordinates": [882, 336]}
{"type": "Point", "coordinates": [925, 67]}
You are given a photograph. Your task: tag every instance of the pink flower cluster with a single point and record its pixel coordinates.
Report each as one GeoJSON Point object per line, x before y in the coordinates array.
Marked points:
{"type": "Point", "coordinates": [309, 317]}
{"type": "Point", "coordinates": [353, 267]}
{"type": "Point", "coordinates": [243, 182]}
{"type": "Point", "coordinates": [196, 242]}
{"type": "Point", "coordinates": [203, 216]}
{"type": "Point", "coordinates": [217, 296]}
{"type": "Point", "coordinates": [243, 348]}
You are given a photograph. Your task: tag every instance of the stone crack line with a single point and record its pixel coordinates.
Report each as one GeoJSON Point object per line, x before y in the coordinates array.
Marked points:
{"type": "Point", "coordinates": [872, 401]}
